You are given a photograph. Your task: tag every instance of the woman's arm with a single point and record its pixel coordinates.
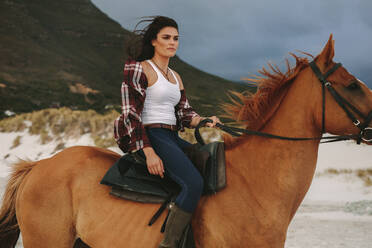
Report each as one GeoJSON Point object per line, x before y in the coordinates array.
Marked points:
{"type": "Point", "coordinates": [186, 114]}
{"type": "Point", "coordinates": [129, 132]}
{"type": "Point", "coordinates": [195, 121]}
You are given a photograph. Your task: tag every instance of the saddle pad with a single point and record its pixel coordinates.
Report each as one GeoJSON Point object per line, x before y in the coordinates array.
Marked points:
{"type": "Point", "coordinates": [136, 196]}
{"type": "Point", "coordinates": [131, 176]}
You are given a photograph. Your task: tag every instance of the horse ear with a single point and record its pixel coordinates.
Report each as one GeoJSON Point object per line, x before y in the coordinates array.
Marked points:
{"type": "Point", "coordinates": [326, 56]}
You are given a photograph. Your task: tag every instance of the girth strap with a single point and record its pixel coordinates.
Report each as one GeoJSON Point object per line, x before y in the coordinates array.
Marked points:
{"type": "Point", "coordinates": [160, 211]}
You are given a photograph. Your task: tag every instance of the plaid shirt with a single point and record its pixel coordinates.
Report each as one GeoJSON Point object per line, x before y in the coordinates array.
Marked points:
{"type": "Point", "coordinates": [129, 132]}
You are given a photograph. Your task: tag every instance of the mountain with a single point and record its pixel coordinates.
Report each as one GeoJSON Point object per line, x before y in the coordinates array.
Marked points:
{"type": "Point", "coordinates": [69, 53]}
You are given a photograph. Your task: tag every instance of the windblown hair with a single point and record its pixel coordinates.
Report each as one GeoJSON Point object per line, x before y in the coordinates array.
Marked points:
{"type": "Point", "coordinates": [140, 47]}
{"type": "Point", "coordinates": [251, 110]}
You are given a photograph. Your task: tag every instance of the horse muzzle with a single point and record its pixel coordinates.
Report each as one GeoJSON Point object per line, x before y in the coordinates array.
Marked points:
{"type": "Point", "coordinates": [366, 135]}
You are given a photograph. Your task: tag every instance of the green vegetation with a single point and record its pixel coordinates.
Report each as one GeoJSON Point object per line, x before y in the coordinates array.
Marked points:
{"type": "Point", "coordinates": [59, 147]}
{"type": "Point", "coordinates": [338, 172]}
{"type": "Point", "coordinates": [13, 124]}
{"type": "Point", "coordinates": [70, 54]}
{"type": "Point", "coordinates": [16, 142]}
{"type": "Point", "coordinates": [366, 176]}
{"type": "Point", "coordinates": [208, 134]}
{"type": "Point", "coordinates": [55, 124]}
{"type": "Point", "coordinates": [363, 174]}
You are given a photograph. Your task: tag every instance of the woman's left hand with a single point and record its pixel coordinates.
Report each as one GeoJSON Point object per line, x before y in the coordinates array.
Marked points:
{"type": "Point", "coordinates": [215, 121]}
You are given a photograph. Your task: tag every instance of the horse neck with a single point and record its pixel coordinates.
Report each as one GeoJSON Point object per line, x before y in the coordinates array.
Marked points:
{"type": "Point", "coordinates": [267, 178]}
{"type": "Point", "coordinates": [293, 116]}
{"type": "Point", "coordinates": [287, 166]}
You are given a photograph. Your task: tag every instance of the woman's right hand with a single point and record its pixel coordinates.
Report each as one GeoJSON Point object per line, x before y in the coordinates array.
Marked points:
{"type": "Point", "coordinates": [154, 163]}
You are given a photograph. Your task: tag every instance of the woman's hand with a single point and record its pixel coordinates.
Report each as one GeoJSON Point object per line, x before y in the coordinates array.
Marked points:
{"type": "Point", "coordinates": [197, 119]}
{"type": "Point", "coordinates": [154, 163]}
{"type": "Point", "coordinates": [215, 121]}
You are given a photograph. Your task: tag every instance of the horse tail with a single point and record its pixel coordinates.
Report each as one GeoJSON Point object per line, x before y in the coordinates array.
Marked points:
{"type": "Point", "coordinates": [9, 229]}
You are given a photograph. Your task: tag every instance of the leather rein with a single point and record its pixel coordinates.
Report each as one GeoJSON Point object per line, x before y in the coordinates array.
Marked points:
{"type": "Point", "coordinates": [365, 133]}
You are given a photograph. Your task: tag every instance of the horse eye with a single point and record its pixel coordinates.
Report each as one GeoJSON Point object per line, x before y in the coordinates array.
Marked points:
{"type": "Point", "coordinates": [353, 86]}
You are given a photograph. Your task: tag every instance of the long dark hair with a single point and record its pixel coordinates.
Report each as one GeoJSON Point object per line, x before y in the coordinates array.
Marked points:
{"type": "Point", "coordinates": [140, 47]}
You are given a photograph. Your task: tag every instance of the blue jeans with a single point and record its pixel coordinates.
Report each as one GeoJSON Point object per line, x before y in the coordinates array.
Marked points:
{"type": "Point", "coordinates": [168, 146]}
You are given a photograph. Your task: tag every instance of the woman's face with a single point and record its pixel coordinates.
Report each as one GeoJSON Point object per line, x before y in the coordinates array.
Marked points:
{"type": "Point", "coordinates": [166, 42]}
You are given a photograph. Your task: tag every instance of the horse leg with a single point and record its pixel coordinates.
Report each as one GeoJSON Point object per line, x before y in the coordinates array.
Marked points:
{"type": "Point", "coordinates": [44, 210]}
{"type": "Point", "coordinates": [44, 231]}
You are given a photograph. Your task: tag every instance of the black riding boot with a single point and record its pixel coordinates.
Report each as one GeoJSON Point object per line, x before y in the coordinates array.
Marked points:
{"type": "Point", "coordinates": [176, 224]}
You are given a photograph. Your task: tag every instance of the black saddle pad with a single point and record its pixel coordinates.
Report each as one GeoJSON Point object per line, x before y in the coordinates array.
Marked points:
{"type": "Point", "coordinates": [130, 174]}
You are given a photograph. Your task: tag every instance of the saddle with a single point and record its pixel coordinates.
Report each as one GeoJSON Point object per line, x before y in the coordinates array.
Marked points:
{"type": "Point", "coordinates": [129, 179]}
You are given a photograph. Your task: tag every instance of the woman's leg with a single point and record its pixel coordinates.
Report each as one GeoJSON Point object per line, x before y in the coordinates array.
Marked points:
{"type": "Point", "coordinates": [181, 142]}
{"type": "Point", "coordinates": [178, 166]}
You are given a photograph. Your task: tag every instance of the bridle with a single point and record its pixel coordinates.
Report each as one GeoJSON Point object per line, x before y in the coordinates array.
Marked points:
{"type": "Point", "coordinates": [365, 133]}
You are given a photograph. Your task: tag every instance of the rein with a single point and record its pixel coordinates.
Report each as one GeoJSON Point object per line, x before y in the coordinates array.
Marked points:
{"type": "Point", "coordinates": [235, 132]}
{"type": "Point", "coordinates": [365, 133]}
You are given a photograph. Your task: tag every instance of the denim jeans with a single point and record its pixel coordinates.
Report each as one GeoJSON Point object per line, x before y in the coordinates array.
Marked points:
{"type": "Point", "coordinates": [168, 146]}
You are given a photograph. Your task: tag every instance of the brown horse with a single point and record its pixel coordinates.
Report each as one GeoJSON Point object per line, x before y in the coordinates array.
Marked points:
{"type": "Point", "coordinates": [57, 200]}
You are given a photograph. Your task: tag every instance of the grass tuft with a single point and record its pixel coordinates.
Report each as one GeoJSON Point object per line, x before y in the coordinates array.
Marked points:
{"type": "Point", "coordinates": [366, 176]}
{"type": "Point", "coordinates": [363, 174]}
{"type": "Point", "coordinates": [13, 124]}
{"type": "Point", "coordinates": [337, 172]}
{"type": "Point", "coordinates": [16, 142]}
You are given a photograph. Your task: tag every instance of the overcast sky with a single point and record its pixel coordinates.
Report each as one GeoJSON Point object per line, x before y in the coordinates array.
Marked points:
{"type": "Point", "coordinates": [235, 38]}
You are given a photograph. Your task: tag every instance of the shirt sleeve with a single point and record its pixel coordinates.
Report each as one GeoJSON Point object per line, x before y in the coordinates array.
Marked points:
{"type": "Point", "coordinates": [184, 112]}
{"type": "Point", "coordinates": [129, 132]}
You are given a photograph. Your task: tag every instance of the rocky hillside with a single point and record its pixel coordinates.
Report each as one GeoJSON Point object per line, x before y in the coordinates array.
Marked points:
{"type": "Point", "coordinates": [69, 53]}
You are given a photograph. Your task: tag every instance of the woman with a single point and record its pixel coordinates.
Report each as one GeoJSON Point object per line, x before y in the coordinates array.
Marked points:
{"type": "Point", "coordinates": [154, 109]}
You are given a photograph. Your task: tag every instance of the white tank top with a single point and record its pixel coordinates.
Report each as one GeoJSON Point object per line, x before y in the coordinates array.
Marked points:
{"type": "Point", "coordinates": [161, 98]}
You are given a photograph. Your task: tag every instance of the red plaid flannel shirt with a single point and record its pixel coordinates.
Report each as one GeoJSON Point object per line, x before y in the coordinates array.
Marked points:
{"type": "Point", "coordinates": [129, 132]}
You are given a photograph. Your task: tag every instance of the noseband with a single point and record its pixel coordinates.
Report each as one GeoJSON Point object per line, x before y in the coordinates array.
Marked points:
{"type": "Point", "coordinates": [365, 133]}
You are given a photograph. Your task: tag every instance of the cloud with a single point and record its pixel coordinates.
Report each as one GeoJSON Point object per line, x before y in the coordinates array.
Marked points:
{"type": "Point", "coordinates": [234, 38]}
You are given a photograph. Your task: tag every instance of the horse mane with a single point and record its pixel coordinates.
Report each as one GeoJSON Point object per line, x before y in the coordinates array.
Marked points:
{"type": "Point", "coordinates": [253, 110]}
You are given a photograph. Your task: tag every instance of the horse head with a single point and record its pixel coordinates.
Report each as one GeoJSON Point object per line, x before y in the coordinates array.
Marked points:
{"type": "Point", "coordinates": [344, 104]}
